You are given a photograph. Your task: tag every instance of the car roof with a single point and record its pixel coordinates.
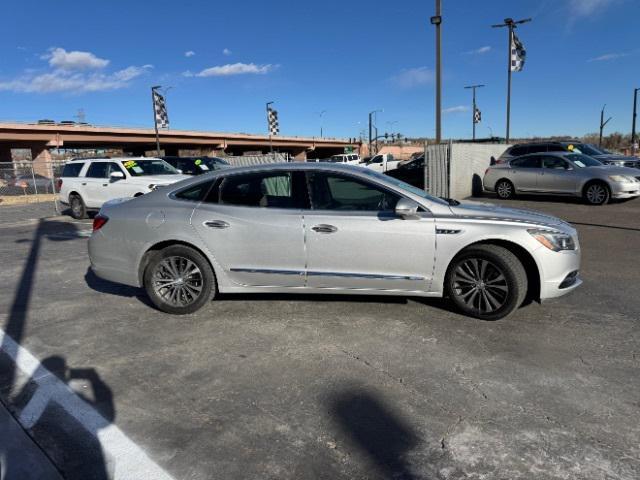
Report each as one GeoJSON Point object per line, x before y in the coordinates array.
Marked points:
{"type": "Point", "coordinates": [112, 159]}
{"type": "Point", "coordinates": [546, 154]}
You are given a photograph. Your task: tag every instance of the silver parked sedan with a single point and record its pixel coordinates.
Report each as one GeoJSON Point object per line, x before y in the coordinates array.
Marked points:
{"type": "Point", "coordinates": [325, 228]}
{"type": "Point", "coordinates": [561, 173]}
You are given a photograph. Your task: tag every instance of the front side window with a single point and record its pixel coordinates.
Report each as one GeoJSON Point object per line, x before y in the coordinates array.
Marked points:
{"type": "Point", "coordinates": [554, 163]}
{"type": "Point", "coordinates": [72, 169]}
{"type": "Point", "coordinates": [265, 189]}
{"type": "Point", "coordinates": [330, 191]}
{"type": "Point", "coordinates": [98, 170]}
{"type": "Point", "coordinates": [583, 161]}
{"type": "Point", "coordinates": [537, 148]}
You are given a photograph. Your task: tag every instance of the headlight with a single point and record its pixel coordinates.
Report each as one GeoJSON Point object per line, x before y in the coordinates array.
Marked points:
{"type": "Point", "coordinates": [622, 178]}
{"type": "Point", "coordinates": [552, 239]}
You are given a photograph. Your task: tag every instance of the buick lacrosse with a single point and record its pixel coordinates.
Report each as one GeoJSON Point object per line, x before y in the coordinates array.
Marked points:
{"type": "Point", "coordinates": [329, 228]}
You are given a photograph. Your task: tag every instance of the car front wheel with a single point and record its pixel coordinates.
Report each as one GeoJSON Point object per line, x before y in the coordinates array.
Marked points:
{"type": "Point", "coordinates": [486, 282]}
{"type": "Point", "coordinates": [596, 193]}
{"type": "Point", "coordinates": [179, 280]}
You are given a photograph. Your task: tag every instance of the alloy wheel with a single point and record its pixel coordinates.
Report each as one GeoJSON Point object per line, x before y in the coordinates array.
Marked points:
{"type": "Point", "coordinates": [505, 190]}
{"type": "Point", "coordinates": [481, 285]}
{"type": "Point", "coordinates": [596, 194]}
{"type": "Point", "coordinates": [178, 281]}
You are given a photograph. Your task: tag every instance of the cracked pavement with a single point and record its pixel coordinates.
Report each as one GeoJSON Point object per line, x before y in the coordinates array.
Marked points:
{"type": "Point", "coordinates": [344, 386]}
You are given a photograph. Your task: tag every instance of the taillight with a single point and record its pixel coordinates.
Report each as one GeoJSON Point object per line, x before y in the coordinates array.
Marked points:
{"type": "Point", "coordinates": [59, 184]}
{"type": "Point", "coordinates": [487, 171]}
{"type": "Point", "coordinates": [99, 221]}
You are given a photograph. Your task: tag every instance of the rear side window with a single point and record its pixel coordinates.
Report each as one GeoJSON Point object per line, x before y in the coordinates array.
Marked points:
{"type": "Point", "coordinates": [537, 148]}
{"type": "Point", "coordinates": [528, 162]}
{"type": "Point", "coordinates": [268, 189]}
{"type": "Point", "coordinates": [195, 193]}
{"type": "Point", "coordinates": [98, 170]}
{"type": "Point", "coordinates": [556, 147]}
{"type": "Point", "coordinates": [517, 151]}
{"type": "Point", "coordinates": [72, 169]}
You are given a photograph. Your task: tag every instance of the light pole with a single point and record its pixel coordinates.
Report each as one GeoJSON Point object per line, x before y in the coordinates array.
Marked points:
{"type": "Point", "coordinates": [371, 127]}
{"type": "Point", "coordinates": [511, 24]}
{"type": "Point", "coordinates": [269, 126]}
{"type": "Point", "coordinates": [320, 115]}
{"type": "Point", "coordinates": [437, 21]}
{"type": "Point", "coordinates": [473, 110]}
{"type": "Point", "coordinates": [633, 123]}
{"type": "Point", "coordinates": [155, 117]}
{"type": "Point", "coordinates": [602, 124]}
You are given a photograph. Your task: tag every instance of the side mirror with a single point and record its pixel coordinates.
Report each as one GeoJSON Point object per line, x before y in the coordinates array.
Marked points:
{"type": "Point", "coordinates": [407, 209]}
{"type": "Point", "coordinates": [115, 176]}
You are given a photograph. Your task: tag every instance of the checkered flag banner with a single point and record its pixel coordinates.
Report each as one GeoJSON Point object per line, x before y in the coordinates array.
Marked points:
{"type": "Point", "coordinates": [477, 116]}
{"type": "Point", "coordinates": [518, 53]}
{"type": "Point", "coordinates": [272, 118]}
{"type": "Point", "coordinates": [162, 118]}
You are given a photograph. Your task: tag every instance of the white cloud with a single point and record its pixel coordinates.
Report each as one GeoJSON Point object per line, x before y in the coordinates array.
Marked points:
{"type": "Point", "coordinates": [608, 56]}
{"type": "Point", "coordinates": [588, 7]}
{"type": "Point", "coordinates": [189, 53]}
{"type": "Point", "coordinates": [479, 51]}
{"type": "Point", "coordinates": [413, 77]}
{"type": "Point", "coordinates": [61, 59]}
{"type": "Point", "coordinates": [456, 109]}
{"type": "Point", "coordinates": [75, 82]}
{"type": "Point", "coordinates": [233, 69]}
{"type": "Point", "coordinates": [226, 52]}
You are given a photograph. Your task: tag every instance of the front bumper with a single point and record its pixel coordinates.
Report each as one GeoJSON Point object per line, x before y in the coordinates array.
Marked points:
{"type": "Point", "coordinates": [559, 272]}
{"type": "Point", "coordinates": [625, 190]}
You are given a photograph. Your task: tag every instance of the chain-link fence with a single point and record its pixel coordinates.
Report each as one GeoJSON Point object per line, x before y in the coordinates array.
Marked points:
{"type": "Point", "coordinates": [29, 182]}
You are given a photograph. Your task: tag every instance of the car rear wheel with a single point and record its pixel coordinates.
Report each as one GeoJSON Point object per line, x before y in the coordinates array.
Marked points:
{"type": "Point", "coordinates": [505, 189]}
{"type": "Point", "coordinates": [486, 282]}
{"type": "Point", "coordinates": [179, 280]}
{"type": "Point", "coordinates": [596, 193]}
{"type": "Point", "coordinates": [78, 208]}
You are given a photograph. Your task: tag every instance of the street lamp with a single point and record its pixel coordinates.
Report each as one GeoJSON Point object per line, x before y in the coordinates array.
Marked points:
{"type": "Point", "coordinates": [633, 124]}
{"type": "Point", "coordinates": [371, 116]}
{"type": "Point", "coordinates": [320, 115]}
{"type": "Point", "coordinates": [437, 21]}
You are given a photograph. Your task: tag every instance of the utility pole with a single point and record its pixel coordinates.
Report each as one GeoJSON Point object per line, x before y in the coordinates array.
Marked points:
{"type": "Point", "coordinates": [155, 117]}
{"type": "Point", "coordinates": [437, 21]}
{"type": "Point", "coordinates": [511, 25]}
{"type": "Point", "coordinates": [372, 116]}
{"type": "Point", "coordinates": [320, 115]}
{"type": "Point", "coordinates": [269, 127]}
{"type": "Point", "coordinates": [473, 109]}
{"type": "Point", "coordinates": [633, 123]}
{"type": "Point", "coordinates": [602, 124]}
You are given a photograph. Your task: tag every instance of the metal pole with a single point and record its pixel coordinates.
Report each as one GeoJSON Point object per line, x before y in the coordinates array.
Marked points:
{"type": "Point", "coordinates": [509, 82]}
{"type": "Point", "coordinates": [633, 124]}
{"type": "Point", "coordinates": [438, 23]}
{"type": "Point", "coordinates": [370, 132]}
{"type": "Point", "coordinates": [269, 127]}
{"type": "Point", "coordinates": [601, 126]}
{"type": "Point", "coordinates": [473, 114]}
{"type": "Point", "coordinates": [155, 119]}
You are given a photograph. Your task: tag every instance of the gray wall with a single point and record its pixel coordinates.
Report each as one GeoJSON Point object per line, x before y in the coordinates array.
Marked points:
{"type": "Point", "coordinates": [468, 163]}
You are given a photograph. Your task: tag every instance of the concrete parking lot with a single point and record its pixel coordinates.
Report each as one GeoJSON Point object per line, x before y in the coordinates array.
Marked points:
{"type": "Point", "coordinates": [323, 387]}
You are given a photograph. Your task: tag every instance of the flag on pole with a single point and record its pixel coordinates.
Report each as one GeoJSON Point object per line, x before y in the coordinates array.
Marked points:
{"type": "Point", "coordinates": [477, 116]}
{"type": "Point", "coordinates": [518, 53]}
{"type": "Point", "coordinates": [162, 118]}
{"type": "Point", "coordinates": [272, 118]}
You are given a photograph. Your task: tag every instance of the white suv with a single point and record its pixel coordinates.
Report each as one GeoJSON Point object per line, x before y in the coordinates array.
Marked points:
{"type": "Point", "coordinates": [85, 184]}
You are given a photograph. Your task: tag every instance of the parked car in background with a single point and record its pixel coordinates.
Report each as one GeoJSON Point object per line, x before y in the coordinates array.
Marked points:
{"type": "Point", "coordinates": [241, 230]}
{"type": "Point", "coordinates": [562, 173]}
{"type": "Point", "coordinates": [606, 158]}
{"type": "Point", "coordinates": [32, 183]}
{"type": "Point", "coordinates": [87, 184]}
{"type": "Point", "coordinates": [349, 158]}
{"type": "Point", "coordinates": [196, 165]}
{"type": "Point", "coordinates": [381, 162]}
{"type": "Point", "coordinates": [410, 171]}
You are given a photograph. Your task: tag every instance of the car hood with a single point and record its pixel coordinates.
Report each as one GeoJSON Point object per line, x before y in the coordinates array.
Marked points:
{"type": "Point", "coordinates": [613, 170]}
{"type": "Point", "coordinates": [159, 179]}
{"type": "Point", "coordinates": [490, 211]}
{"type": "Point", "coordinates": [616, 157]}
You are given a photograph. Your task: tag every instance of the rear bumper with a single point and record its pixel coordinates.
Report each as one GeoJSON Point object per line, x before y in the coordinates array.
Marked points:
{"type": "Point", "coordinates": [109, 263]}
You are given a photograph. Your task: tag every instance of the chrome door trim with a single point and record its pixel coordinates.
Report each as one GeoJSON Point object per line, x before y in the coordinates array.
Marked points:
{"type": "Point", "coordinates": [362, 275]}
{"type": "Point", "coordinates": [268, 271]}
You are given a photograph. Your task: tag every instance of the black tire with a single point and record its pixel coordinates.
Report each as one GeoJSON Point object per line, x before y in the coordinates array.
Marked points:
{"type": "Point", "coordinates": [596, 193]}
{"type": "Point", "coordinates": [500, 286]}
{"type": "Point", "coordinates": [505, 189]}
{"type": "Point", "coordinates": [77, 206]}
{"type": "Point", "coordinates": [193, 290]}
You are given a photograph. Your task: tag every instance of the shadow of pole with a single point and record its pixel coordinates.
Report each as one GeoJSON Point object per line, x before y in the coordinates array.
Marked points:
{"type": "Point", "coordinates": [377, 431]}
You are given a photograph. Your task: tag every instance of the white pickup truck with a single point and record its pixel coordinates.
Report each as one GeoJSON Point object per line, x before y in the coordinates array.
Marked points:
{"type": "Point", "coordinates": [383, 162]}
{"type": "Point", "coordinates": [85, 184]}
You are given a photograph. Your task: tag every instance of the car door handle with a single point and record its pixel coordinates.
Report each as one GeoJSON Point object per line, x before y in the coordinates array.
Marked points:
{"type": "Point", "coordinates": [105, 184]}
{"type": "Point", "coordinates": [84, 184]}
{"type": "Point", "coordinates": [216, 224]}
{"type": "Point", "coordinates": [324, 228]}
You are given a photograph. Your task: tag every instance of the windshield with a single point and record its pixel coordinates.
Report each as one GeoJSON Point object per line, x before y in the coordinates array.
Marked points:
{"type": "Point", "coordinates": [139, 168]}
{"type": "Point", "coordinates": [582, 161]}
{"type": "Point", "coordinates": [405, 186]}
{"type": "Point", "coordinates": [587, 149]}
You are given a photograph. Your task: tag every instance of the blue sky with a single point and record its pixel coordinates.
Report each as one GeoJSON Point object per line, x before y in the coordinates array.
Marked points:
{"type": "Point", "coordinates": [224, 60]}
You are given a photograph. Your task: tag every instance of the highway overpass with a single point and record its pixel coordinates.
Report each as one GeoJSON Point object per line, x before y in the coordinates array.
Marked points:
{"type": "Point", "coordinates": [135, 141]}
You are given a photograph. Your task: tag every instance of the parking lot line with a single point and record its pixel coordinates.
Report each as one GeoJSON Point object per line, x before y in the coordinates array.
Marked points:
{"type": "Point", "coordinates": [130, 462]}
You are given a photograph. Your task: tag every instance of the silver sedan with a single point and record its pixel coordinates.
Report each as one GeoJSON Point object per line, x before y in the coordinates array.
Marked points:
{"type": "Point", "coordinates": [325, 228]}
{"type": "Point", "coordinates": [561, 173]}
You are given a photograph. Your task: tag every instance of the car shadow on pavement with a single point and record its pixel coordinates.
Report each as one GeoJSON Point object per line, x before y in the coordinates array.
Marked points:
{"type": "Point", "coordinates": [374, 429]}
{"type": "Point", "coordinates": [68, 437]}
{"type": "Point", "coordinates": [105, 286]}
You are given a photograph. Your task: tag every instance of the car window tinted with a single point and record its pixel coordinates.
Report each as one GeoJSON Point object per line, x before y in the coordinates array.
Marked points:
{"type": "Point", "coordinates": [272, 190]}
{"type": "Point", "coordinates": [556, 147]}
{"type": "Point", "coordinates": [98, 170]}
{"type": "Point", "coordinates": [554, 163]}
{"type": "Point", "coordinates": [72, 169]}
{"type": "Point", "coordinates": [195, 192]}
{"type": "Point", "coordinates": [537, 148]}
{"type": "Point", "coordinates": [331, 191]}
{"type": "Point", "coordinates": [140, 167]}
{"type": "Point", "coordinates": [517, 151]}
{"type": "Point", "coordinates": [526, 162]}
